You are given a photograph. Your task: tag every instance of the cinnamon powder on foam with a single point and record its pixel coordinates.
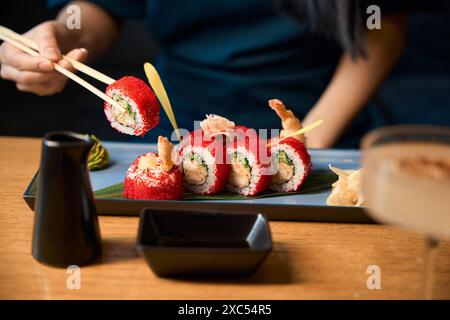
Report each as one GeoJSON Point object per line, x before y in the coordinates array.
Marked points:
{"type": "Point", "coordinates": [425, 167]}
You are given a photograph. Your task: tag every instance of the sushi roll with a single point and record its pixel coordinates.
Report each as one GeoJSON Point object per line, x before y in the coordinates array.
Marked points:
{"type": "Point", "coordinates": [290, 157]}
{"type": "Point", "coordinates": [249, 174]}
{"type": "Point", "coordinates": [139, 102]}
{"type": "Point", "coordinates": [292, 163]}
{"type": "Point", "coordinates": [203, 156]}
{"type": "Point", "coordinates": [154, 176]}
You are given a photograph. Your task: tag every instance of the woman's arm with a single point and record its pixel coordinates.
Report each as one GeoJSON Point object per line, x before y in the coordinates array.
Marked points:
{"type": "Point", "coordinates": [355, 82]}
{"type": "Point", "coordinates": [98, 29]}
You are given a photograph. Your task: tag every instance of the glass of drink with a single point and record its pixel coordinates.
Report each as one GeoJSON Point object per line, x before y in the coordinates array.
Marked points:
{"type": "Point", "coordinates": [406, 182]}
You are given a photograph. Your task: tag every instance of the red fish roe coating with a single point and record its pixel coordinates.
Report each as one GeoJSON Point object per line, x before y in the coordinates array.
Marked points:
{"type": "Point", "coordinates": [253, 145]}
{"type": "Point", "coordinates": [220, 182]}
{"type": "Point", "coordinates": [302, 153]}
{"type": "Point", "coordinates": [153, 183]}
{"type": "Point", "coordinates": [143, 97]}
{"type": "Point", "coordinates": [216, 147]}
{"type": "Point", "coordinates": [216, 143]}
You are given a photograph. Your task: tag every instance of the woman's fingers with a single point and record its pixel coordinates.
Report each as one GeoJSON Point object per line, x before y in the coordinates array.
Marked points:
{"type": "Point", "coordinates": [48, 86]}
{"type": "Point", "coordinates": [60, 80]}
{"type": "Point", "coordinates": [42, 83]}
{"type": "Point", "coordinates": [37, 74]}
{"type": "Point", "coordinates": [35, 82]}
{"type": "Point", "coordinates": [22, 77]}
{"type": "Point", "coordinates": [45, 37]}
{"type": "Point", "coordinates": [40, 90]}
{"type": "Point", "coordinates": [80, 55]}
{"type": "Point", "coordinates": [76, 54]}
{"type": "Point", "coordinates": [9, 55]}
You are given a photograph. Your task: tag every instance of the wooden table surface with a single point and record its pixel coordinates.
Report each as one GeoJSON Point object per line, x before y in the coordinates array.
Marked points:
{"type": "Point", "coordinates": [309, 260]}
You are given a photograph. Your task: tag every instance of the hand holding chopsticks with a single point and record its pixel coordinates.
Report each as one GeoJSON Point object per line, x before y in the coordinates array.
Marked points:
{"type": "Point", "coordinates": [29, 46]}
{"type": "Point", "coordinates": [76, 64]}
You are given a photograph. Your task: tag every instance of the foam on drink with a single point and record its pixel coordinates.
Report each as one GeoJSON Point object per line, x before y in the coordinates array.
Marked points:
{"type": "Point", "coordinates": [408, 184]}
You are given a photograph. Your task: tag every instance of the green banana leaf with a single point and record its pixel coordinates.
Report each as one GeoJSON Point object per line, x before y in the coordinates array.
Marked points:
{"type": "Point", "coordinates": [316, 182]}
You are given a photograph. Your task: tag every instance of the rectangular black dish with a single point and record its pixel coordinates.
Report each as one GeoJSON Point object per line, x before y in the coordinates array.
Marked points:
{"type": "Point", "coordinates": [188, 243]}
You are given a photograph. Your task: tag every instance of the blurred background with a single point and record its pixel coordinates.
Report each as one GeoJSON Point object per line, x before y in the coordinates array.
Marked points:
{"type": "Point", "coordinates": [417, 91]}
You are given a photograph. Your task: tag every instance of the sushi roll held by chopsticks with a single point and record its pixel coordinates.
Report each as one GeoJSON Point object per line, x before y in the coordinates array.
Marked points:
{"type": "Point", "coordinates": [289, 154]}
{"type": "Point", "coordinates": [203, 156]}
{"type": "Point", "coordinates": [140, 107]}
{"type": "Point", "coordinates": [154, 176]}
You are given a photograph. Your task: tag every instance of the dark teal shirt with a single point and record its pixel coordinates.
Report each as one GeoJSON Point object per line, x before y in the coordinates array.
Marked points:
{"type": "Point", "coordinates": [229, 57]}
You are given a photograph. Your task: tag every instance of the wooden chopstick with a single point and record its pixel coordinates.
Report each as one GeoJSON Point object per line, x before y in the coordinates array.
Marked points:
{"type": "Point", "coordinates": [76, 64]}
{"type": "Point", "coordinates": [155, 82]}
{"type": "Point", "coordinates": [301, 131]}
{"type": "Point", "coordinates": [64, 71]}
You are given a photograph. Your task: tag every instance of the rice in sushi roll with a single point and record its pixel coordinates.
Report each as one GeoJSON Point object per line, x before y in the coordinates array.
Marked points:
{"type": "Point", "coordinates": [290, 156]}
{"type": "Point", "coordinates": [140, 103]}
{"type": "Point", "coordinates": [203, 156]}
{"type": "Point", "coordinates": [249, 174]}
{"type": "Point", "coordinates": [154, 176]}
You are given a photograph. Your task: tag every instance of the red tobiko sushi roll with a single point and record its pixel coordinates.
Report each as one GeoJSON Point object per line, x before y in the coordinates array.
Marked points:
{"type": "Point", "coordinates": [203, 157]}
{"type": "Point", "coordinates": [152, 183]}
{"type": "Point", "coordinates": [154, 176]}
{"type": "Point", "coordinates": [140, 111]}
{"type": "Point", "coordinates": [292, 163]}
{"type": "Point", "coordinates": [250, 163]}
{"type": "Point", "coordinates": [290, 157]}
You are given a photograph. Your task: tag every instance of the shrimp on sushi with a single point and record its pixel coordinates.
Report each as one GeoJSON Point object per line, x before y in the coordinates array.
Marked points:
{"type": "Point", "coordinates": [140, 111]}
{"type": "Point", "coordinates": [154, 176]}
{"type": "Point", "coordinates": [289, 121]}
{"type": "Point", "coordinates": [289, 155]}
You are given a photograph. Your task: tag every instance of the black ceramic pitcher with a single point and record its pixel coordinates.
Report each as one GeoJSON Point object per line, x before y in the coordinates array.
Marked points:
{"type": "Point", "coordinates": [66, 228]}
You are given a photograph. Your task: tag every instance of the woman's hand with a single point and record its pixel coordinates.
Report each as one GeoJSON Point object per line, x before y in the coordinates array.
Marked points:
{"type": "Point", "coordinates": [37, 74]}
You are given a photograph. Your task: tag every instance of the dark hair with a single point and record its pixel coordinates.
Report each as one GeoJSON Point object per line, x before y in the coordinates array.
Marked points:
{"type": "Point", "coordinates": [337, 19]}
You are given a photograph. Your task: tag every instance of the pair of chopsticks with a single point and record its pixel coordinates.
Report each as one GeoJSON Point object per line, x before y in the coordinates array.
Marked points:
{"type": "Point", "coordinates": [29, 46]}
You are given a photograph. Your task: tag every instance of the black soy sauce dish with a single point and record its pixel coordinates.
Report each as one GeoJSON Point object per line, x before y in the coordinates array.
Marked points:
{"type": "Point", "coordinates": [190, 243]}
